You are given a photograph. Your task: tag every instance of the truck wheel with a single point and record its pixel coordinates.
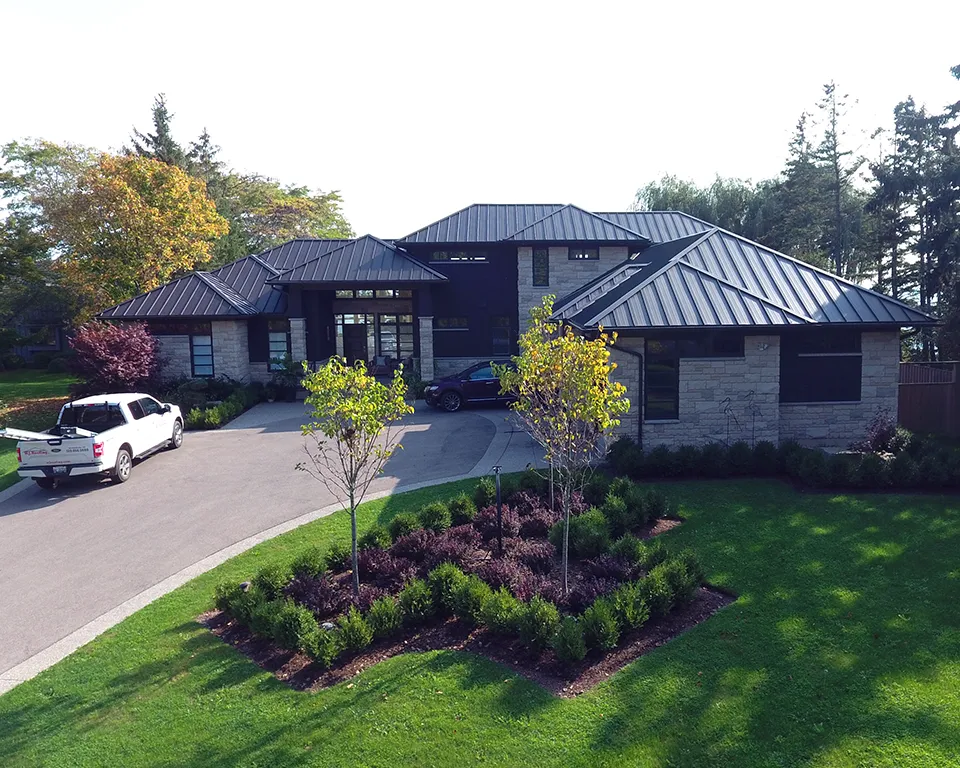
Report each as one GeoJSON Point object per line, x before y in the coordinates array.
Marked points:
{"type": "Point", "coordinates": [47, 483]}
{"type": "Point", "coordinates": [123, 467]}
{"type": "Point", "coordinates": [176, 440]}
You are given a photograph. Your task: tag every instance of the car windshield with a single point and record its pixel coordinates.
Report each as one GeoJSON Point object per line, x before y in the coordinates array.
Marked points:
{"type": "Point", "coordinates": [95, 417]}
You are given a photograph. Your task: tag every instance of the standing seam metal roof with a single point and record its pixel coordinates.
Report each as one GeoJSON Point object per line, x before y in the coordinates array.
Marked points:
{"type": "Point", "coordinates": [572, 224]}
{"type": "Point", "coordinates": [195, 295]}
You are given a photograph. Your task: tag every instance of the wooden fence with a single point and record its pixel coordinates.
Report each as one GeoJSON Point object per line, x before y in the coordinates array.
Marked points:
{"type": "Point", "coordinates": [930, 398]}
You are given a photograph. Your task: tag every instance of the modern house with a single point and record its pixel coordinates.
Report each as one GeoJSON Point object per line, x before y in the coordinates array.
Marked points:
{"type": "Point", "coordinates": [719, 338]}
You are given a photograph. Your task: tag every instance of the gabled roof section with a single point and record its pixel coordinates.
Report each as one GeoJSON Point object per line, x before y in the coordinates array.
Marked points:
{"type": "Point", "coordinates": [366, 260]}
{"type": "Point", "coordinates": [248, 277]}
{"type": "Point", "coordinates": [659, 226]}
{"type": "Point", "coordinates": [573, 224]}
{"type": "Point", "coordinates": [481, 223]}
{"type": "Point", "coordinates": [198, 294]}
{"type": "Point", "coordinates": [718, 279]}
{"type": "Point", "coordinates": [296, 252]}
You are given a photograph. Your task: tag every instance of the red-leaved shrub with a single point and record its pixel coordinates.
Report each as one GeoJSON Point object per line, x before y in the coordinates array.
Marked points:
{"type": "Point", "coordinates": [320, 594]}
{"type": "Point", "coordinates": [486, 522]}
{"type": "Point", "coordinates": [536, 555]}
{"type": "Point", "coordinates": [114, 358]}
{"type": "Point", "coordinates": [609, 567]}
{"type": "Point", "coordinates": [538, 524]}
{"type": "Point", "coordinates": [414, 546]}
{"type": "Point", "coordinates": [502, 572]}
{"type": "Point", "coordinates": [379, 567]}
{"type": "Point", "coordinates": [589, 589]}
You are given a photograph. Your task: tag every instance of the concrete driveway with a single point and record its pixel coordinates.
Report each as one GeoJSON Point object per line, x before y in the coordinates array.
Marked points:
{"type": "Point", "coordinates": [74, 554]}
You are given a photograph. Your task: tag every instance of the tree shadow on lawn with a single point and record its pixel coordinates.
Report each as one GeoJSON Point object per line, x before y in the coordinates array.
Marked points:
{"type": "Point", "coordinates": [847, 610]}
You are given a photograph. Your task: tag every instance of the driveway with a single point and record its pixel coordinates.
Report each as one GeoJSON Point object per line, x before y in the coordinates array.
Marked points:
{"type": "Point", "coordinates": [70, 555]}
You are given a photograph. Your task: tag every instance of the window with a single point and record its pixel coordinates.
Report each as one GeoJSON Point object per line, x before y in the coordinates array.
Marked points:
{"type": "Point", "coordinates": [344, 294]}
{"type": "Point", "coordinates": [500, 333]}
{"type": "Point", "coordinates": [365, 294]}
{"type": "Point", "coordinates": [577, 253]}
{"type": "Point", "coordinates": [396, 336]}
{"type": "Point", "coordinates": [136, 410]}
{"type": "Point", "coordinates": [458, 256]}
{"type": "Point", "coordinates": [820, 366]}
{"type": "Point", "coordinates": [201, 355]}
{"type": "Point", "coordinates": [541, 266]}
{"type": "Point", "coordinates": [149, 406]}
{"type": "Point", "coordinates": [661, 380]}
{"type": "Point", "coordinates": [451, 324]}
{"type": "Point", "coordinates": [712, 344]}
{"type": "Point", "coordinates": [482, 374]}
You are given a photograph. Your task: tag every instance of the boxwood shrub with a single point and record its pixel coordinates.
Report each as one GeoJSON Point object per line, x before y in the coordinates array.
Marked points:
{"type": "Point", "coordinates": [416, 601]}
{"type": "Point", "coordinates": [568, 644]}
{"type": "Point", "coordinates": [589, 534]}
{"type": "Point", "coordinates": [310, 562]}
{"type": "Point", "coordinates": [435, 517]}
{"type": "Point", "coordinates": [501, 612]}
{"type": "Point", "coordinates": [294, 627]}
{"type": "Point", "coordinates": [403, 524]}
{"type": "Point", "coordinates": [375, 537]}
{"type": "Point", "coordinates": [600, 630]}
{"type": "Point", "coordinates": [444, 581]}
{"type": "Point", "coordinates": [385, 617]}
{"type": "Point", "coordinates": [355, 631]}
{"type": "Point", "coordinates": [462, 510]}
{"type": "Point", "coordinates": [539, 620]}
{"type": "Point", "coordinates": [468, 599]}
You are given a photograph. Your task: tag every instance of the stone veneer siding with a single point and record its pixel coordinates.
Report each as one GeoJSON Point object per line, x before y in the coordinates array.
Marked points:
{"type": "Point", "coordinates": [231, 353]}
{"type": "Point", "coordinates": [447, 366]}
{"type": "Point", "coordinates": [175, 354]}
{"type": "Point", "coordinates": [565, 275]}
{"type": "Point", "coordinates": [298, 338]}
{"type": "Point", "coordinates": [706, 414]}
{"type": "Point", "coordinates": [836, 425]}
{"type": "Point", "coordinates": [427, 367]}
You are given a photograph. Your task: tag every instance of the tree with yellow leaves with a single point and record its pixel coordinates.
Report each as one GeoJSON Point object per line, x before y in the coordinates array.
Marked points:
{"type": "Point", "coordinates": [566, 400]}
{"type": "Point", "coordinates": [130, 225]}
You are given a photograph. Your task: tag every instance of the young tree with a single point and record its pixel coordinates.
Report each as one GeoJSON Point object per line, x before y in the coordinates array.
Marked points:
{"type": "Point", "coordinates": [351, 427]}
{"type": "Point", "coordinates": [132, 225]}
{"type": "Point", "coordinates": [566, 400]}
{"type": "Point", "coordinates": [114, 358]}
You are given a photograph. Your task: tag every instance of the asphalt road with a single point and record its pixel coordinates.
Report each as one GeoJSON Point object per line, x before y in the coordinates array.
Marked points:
{"type": "Point", "coordinates": [70, 555]}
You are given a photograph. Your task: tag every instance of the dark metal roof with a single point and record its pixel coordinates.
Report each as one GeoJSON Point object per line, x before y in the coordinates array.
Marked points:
{"type": "Point", "coordinates": [572, 224]}
{"type": "Point", "coordinates": [721, 279]}
{"type": "Point", "coordinates": [659, 226]}
{"type": "Point", "coordinates": [480, 223]}
{"type": "Point", "coordinates": [198, 294]}
{"type": "Point", "coordinates": [248, 277]}
{"type": "Point", "coordinates": [367, 260]}
{"type": "Point", "coordinates": [297, 252]}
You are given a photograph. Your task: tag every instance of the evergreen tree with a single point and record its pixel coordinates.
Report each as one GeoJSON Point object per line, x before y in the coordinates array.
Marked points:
{"type": "Point", "coordinates": [159, 145]}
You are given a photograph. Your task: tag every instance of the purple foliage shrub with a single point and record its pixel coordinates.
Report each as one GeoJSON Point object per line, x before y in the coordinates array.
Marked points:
{"type": "Point", "coordinates": [319, 594]}
{"type": "Point", "coordinates": [589, 589]}
{"type": "Point", "coordinates": [414, 546]}
{"type": "Point", "coordinates": [526, 503]}
{"type": "Point", "coordinates": [486, 522]}
{"type": "Point", "coordinates": [538, 524]}
{"type": "Point", "coordinates": [502, 572]}
{"type": "Point", "coordinates": [384, 569]}
{"type": "Point", "coordinates": [536, 555]}
{"type": "Point", "coordinates": [114, 358]}
{"type": "Point", "coordinates": [609, 567]}
{"type": "Point", "coordinates": [368, 595]}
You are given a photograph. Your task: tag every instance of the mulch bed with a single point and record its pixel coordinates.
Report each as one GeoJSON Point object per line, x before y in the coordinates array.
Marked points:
{"type": "Point", "coordinates": [300, 673]}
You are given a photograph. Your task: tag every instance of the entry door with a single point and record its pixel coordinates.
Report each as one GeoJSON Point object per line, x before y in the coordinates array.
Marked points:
{"type": "Point", "coordinates": [355, 343]}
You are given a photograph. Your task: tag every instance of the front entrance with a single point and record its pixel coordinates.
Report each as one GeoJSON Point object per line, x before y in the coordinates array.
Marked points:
{"type": "Point", "coordinates": [355, 343]}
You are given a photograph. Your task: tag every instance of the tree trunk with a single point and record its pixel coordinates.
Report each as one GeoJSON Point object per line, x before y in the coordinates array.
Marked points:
{"type": "Point", "coordinates": [565, 559]}
{"type": "Point", "coordinates": [353, 546]}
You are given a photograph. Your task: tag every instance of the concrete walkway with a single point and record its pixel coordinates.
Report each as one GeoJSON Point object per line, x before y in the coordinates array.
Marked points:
{"type": "Point", "coordinates": [79, 559]}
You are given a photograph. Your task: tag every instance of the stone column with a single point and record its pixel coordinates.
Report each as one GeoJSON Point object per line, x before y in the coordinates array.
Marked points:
{"type": "Point", "coordinates": [298, 339]}
{"type": "Point", "coordinates": [231, 356]}
{"type": "Point", "coordinates": [426, 348]}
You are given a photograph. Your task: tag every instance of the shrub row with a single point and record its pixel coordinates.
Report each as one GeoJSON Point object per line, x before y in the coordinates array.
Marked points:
{"type": "Point", "coordinates": [242, 398]}
{"type": "Point", "coordinates": [911, 464]}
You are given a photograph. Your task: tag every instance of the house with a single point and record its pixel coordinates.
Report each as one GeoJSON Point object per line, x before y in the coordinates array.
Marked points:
{"type": "Point", "coordinates": [719, 338]}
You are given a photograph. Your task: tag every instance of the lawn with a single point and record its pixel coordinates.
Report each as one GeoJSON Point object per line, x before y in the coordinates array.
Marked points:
{"type": "Point", "coordinates": [843, 649]}
{"type": "Point", "coordinates": [29, 400]}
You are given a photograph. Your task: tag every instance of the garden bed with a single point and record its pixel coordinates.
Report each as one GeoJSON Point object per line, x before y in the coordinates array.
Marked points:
{"type": "Point", "coordinates": [299, 672]}
{"type": "Point", "coordinates": [439, 580]}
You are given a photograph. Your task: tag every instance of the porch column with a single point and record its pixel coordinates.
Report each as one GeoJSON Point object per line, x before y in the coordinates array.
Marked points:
{"type": "Point", "coordinates": [298, 338]}
{"type": "Point", "coordinates": [426, 348]}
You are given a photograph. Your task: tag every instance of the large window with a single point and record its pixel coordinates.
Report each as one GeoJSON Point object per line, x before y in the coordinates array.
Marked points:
{"type": "Point", "coordinates": [278, 340]}
{"type": "Point", "coordinates": [201, 355]}
{"type": "Point", "coordinates": [462, 256]}
{"type": "Point", "coordinates": [579, 253]}
{"type": "Point", "coordinates": [500, 333]}
{"type": "Point", "coordinates": [820, 366]}
{"type": "Point", "coordinates": [541, 266]}
{"type": "Point", "coordinates": [396, 336]}
{"type": "Point", "coordinates": [661, 380]}
{"type": "Point", "coordinates": [379, 293]}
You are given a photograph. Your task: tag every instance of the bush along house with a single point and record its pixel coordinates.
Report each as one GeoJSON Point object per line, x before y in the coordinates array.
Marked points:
{"type": "Point", "coordinates": [719, 338]}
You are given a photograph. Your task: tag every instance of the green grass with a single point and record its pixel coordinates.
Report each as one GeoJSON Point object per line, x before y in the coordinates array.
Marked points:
{"type": "Point", "coordinates": [843, 649]}
{"type": "Point", "coordinates": [25, 403]}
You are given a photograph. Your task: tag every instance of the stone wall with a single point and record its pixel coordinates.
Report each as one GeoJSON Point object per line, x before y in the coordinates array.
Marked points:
{"type": "Point", "coordinates": [231, 354]}
{"type": "Point", "coordinates": [447, 366]}
{"type": "Point", "coordinates": [427, 368]}
{"type": "Point", "coordinates": [175, 354]}
{"type": "Point", "coordinates": [836, 425]}
{"type": "Point", "coordinates": [298, 338]}
{"type": "Point", "coordinates": [626, 355]}
{"type": "Point", "coordinates": [565, 275]}
{"type": "Point", "coordinates": [725, 399]}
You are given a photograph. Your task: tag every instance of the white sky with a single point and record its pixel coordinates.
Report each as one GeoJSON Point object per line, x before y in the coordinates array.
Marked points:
{"type": "Point", "coordinates": [414, 110]}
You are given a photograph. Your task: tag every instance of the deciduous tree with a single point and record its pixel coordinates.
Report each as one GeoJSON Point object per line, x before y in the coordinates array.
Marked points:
{"type": "Point", "coordinates": [566, 400]}
{"type": "Point", "coordinates": [351, 430]}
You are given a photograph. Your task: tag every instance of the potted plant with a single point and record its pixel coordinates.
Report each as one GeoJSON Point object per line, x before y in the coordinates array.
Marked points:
{"type": "Point", "coordinates": [286, 378]}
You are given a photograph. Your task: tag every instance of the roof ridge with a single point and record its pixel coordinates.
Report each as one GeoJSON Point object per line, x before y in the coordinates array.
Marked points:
{"type": "Point", "coordinates": [700, 237]}
{"type": "Point", "coordinates": [747, 291]}
{"type": "Point", "coordinates": [147, 293]}
{"type": "Point", "coordinates": [217, 286]}
{"type": "Point", "coordinates": [264, 264]}
{"type": "Point", "coordinates": [609, 223]}
{"type": "Point", "coordinates": [437, 221]}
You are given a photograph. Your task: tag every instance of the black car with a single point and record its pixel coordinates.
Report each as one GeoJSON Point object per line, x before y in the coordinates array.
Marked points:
{"type": "Point", "coordinates": [477, 384]}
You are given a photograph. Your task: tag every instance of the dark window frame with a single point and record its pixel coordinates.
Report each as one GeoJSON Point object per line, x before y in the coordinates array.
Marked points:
{"type": "Point", "coordinates": [461, 256]}
{"type": "Point", "coordinates": [541, 268]}
{"type": "Point", "coordinates": [821, 366]}
{"type": "Point", "coordinates": [501, 334]}
{"type": "Point", "coordinates": [180, 328]}
{"type": "Point", "coordinates": [583, 253]}
{"type": "Point", "coordinates": [193, 362]}
{"type": "Point", "coordinates": [451, 323]}
{"type": "Point", "coordinates": [666, 379]}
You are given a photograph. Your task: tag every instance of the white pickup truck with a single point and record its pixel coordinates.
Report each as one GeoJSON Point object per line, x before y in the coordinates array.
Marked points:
{"type": "Point", "coordinates": [101, 434]}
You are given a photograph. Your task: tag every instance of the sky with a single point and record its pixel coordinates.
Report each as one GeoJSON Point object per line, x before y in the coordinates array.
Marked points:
{"type": "Point", "coordinates": [413, 110]}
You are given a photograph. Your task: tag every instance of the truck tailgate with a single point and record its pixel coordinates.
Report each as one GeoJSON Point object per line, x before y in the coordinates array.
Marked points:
{"type": "Point", "coordinates": [56, 451]}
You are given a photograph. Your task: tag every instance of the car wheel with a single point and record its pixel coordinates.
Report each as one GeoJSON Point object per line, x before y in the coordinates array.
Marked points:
{"type": "Point", "coordinates": [451, 401]}
{"type": "Point", "coordinates": [123, 467]}
{"type": "Point", "coordinates": [176, 440]}
{"type": "Point", "coordinates": [47, 483]}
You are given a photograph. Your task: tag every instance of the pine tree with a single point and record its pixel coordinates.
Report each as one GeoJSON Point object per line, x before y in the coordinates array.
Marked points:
{"type": "Point", "coordinates": [159, 145]}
